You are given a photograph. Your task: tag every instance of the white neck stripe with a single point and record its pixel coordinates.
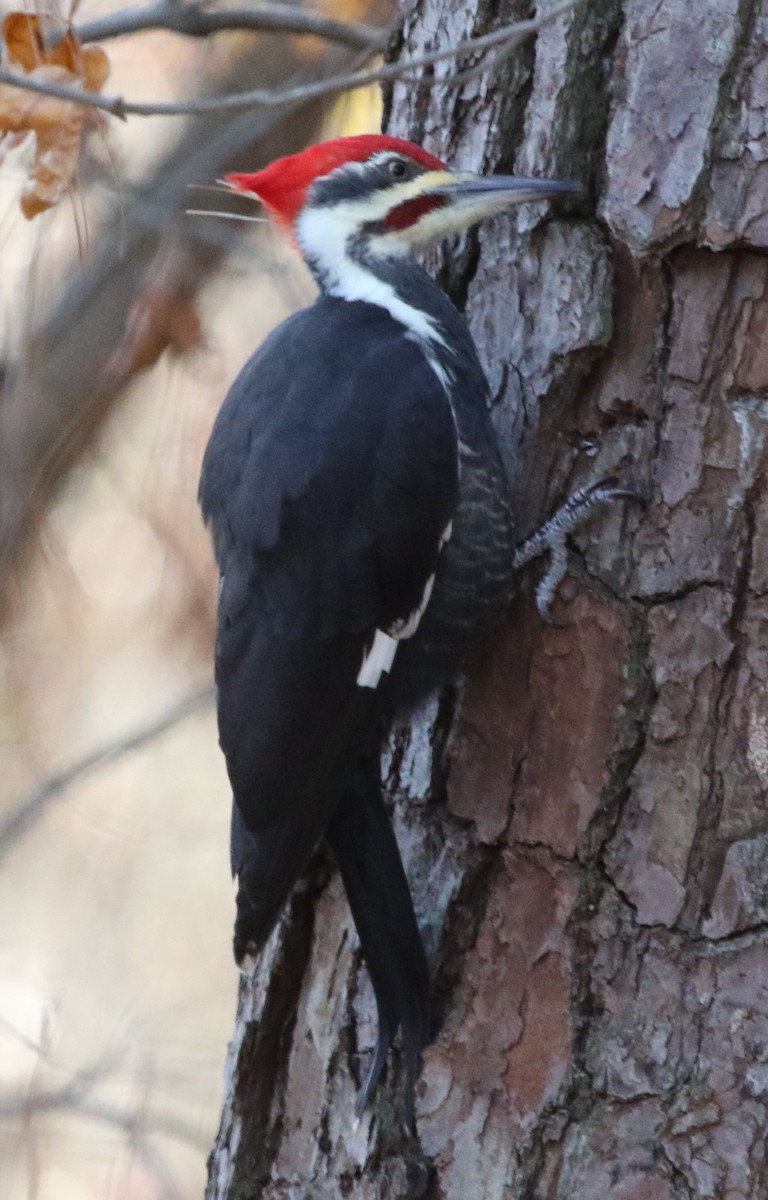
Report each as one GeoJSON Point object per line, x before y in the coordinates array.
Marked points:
{"type": "Point", "coordinates": [322, 235]}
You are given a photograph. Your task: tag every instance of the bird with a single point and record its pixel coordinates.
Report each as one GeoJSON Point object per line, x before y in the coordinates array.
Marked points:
{"type": "Point", "coordinates": [365, 539]}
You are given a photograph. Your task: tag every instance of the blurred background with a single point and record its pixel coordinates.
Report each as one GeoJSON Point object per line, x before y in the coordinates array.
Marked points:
{"type": "Point", "coordinates": [122, 324]}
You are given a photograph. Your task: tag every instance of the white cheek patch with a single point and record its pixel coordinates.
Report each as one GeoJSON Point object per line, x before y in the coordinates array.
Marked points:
{"type": "Point", "coordinates": [322, 235]}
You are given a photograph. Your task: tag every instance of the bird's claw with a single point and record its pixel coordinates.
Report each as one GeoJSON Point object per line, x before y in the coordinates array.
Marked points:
{"type": "Point", "coordinates": [552, 537]}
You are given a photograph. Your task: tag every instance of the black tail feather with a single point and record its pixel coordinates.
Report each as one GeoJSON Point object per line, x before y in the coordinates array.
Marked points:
{"type": "Point", "coordinates": [270, 852]}
{"type": "Point", "coordinates": [363, 841]}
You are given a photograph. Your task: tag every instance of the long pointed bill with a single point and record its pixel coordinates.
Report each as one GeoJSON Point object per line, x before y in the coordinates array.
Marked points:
{"type": "Point", "coordinates": [441, 203]}
{"type": "Point", "coordinates": [506, 189]}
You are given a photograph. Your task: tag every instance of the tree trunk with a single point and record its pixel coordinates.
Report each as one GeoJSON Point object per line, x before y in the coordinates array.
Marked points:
{"type": "Point", "coordinates": [584, 822]}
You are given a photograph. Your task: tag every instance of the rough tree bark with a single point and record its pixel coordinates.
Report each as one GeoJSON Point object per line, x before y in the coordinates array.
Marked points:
{"type": "Point", "coordinates": [584, 821]}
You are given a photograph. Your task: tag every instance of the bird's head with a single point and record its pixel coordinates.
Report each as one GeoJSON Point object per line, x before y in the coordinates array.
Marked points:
{"type": "Point", "coordinates": [382, 194]}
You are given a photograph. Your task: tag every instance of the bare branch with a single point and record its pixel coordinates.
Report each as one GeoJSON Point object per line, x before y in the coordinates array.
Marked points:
{"type": "Point", "coordinates": [20, 1037]}
{"type": "Point", "coordinates": [155, 1167]}
{"type": "Point", "coordinates": [73, 1097]}
{"type": "Point", "coordinates": [193, 20]}
{"type": "Point", "coordinates": [67, 1096]}
{"type": "Point", "coordinates": [506, 38]}
{"type": "Point", "coordinates": [31, 808]}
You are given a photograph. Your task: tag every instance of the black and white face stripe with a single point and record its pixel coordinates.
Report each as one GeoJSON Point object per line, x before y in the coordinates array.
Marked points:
{"type": "Point", "coordinates": [359, 181]}
{"type": "Point", "coordinates": [343, 237]}
{"type": "Point", "coordinates": [329, 238]}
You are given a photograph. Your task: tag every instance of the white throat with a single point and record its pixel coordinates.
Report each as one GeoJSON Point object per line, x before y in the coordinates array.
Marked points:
{"type": "Point", "coordinates": [324, 234]}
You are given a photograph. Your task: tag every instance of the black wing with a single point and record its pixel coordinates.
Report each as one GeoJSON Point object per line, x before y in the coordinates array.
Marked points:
{"type": "Point", "coordinates": [329, 477]}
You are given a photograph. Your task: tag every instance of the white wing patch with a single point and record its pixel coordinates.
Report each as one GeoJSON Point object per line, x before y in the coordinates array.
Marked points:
{"type": "Point", "coordinates": [381, 655]}
{"type": "Point", "coordinates": [378, 661]}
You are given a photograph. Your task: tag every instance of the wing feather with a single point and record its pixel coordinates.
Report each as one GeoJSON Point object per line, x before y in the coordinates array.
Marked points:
{"type": "Point", "coordinates": [330, 476]}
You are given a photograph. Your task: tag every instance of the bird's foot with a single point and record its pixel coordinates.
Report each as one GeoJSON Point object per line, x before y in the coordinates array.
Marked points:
{"type": "Point", "coordinates": [552, 536]}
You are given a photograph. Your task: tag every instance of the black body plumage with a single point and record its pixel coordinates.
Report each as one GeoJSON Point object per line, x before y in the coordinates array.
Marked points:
{"type": "Point", "coordinates": [344, 452]}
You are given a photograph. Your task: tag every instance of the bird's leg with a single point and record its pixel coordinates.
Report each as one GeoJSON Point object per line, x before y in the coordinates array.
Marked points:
{"type": "Point", "coordinates": [552, 536]}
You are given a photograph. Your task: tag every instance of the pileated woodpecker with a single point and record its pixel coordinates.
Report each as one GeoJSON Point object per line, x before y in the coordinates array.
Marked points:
{"type": "Point", "coordinates": [363, 531]}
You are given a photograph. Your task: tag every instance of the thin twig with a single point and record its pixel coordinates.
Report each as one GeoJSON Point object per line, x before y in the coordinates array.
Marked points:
{"type": "Point", "coordinates": [155, 1166]}
{"type": "Point", "coordinates": [73, 1097]}
{"type": "Point", "coordinates": [67, 1096]}
{"type": "Point", "coordinates": [32, 807]}
{"type": "Point", "coordinates": [30, 1044]}
{"type": "Point", "coordinates": [193, 20]}
{"type": "Point", "coordinates": [508, 37]}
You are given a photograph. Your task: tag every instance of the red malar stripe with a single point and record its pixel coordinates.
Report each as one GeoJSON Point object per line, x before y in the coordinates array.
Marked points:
{"type": "Point", "coordinates": [411, 211]}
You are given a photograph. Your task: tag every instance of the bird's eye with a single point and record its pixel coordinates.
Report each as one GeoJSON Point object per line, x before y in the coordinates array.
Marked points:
{"type": "Point", "coordinates": [397, 168]}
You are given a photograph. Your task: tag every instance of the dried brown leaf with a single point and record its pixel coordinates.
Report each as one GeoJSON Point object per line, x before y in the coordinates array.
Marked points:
{"type": "Point", "coordinates": [24, 38]}
{"type": "Point", "coordinates": [55, 164]}
{"type": "Point", "coordinates": [57, 124]}
{"type": "Point", "coordinates": [95, 67]}
{"type": "Point", "coordinates": [22, 111]}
